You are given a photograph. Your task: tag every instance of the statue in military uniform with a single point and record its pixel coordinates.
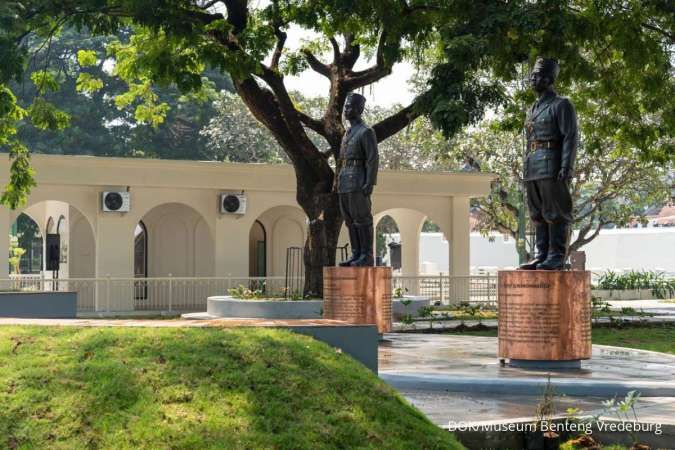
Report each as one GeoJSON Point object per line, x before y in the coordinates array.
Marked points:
{"type": "Point", "coordinates": [552, 139]}
{"type": "Point", "coordinates": [357, 176]}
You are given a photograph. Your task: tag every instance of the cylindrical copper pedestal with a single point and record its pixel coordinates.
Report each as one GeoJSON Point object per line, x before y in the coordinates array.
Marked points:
{"type": "Point", "coordinates": [358, 295]}
{"type": "Point", "coordinates": [544, 318]}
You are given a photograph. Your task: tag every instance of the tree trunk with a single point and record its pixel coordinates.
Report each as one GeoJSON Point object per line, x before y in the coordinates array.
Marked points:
{"type": "Point", "coordinates": [325, 221]}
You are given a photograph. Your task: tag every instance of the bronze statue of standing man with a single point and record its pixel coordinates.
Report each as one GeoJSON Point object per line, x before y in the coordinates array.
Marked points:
{"type": "Point", "coordinates": [358, 163]}
{"type": "Point", "coordinates": [552, 139]}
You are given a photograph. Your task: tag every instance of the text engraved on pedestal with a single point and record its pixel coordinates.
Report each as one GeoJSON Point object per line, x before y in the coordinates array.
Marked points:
{"type": "Point", "coordinates": [530, 322]}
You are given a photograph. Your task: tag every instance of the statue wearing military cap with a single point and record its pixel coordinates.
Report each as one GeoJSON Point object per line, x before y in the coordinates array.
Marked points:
{"type": "Point", "coordinates": [357, 175]}
{"type": "Point", "coordinates": [552, 139]}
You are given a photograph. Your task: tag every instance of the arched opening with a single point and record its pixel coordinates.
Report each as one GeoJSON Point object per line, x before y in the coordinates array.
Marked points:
{"type": "Point", "coordinates": [26, 236]}
{"type": "Point", "coordinates": [140, 260]}
{"type": "Point", "coordinates": [173, 239]}
{"type": "Point", "coordinates": [140, 251]}
{"type": "Point", "coordinates": [284, 228]}
{"type": "Point", "coordinates": [398, 234]}
{"type": "Point", "coordinates": [74, 246]}
{"type": "Point", "coordinates": [61, 225]}
{"type": "Point", "coordinates": [257, 250]}
{"type": "Point", "coordinates": [388, 243]}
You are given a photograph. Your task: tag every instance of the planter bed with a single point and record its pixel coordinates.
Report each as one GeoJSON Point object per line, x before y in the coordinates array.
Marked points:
{"type": "Point", "coordinates": [400, 309]}
{"type": "Point", "coordinates": [623, 294]}
{"type": "Point", "coordinates": [228, 306]}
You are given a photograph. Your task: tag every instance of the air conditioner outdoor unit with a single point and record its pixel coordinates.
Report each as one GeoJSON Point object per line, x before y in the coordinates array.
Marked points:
{"type": "Point", "coordinates": [115, 201]}
{"type": "Point", "coordinates": [232, 203]}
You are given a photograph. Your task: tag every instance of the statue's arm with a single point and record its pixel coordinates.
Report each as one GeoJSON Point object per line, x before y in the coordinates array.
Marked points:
{"type": "Point", "coordinates": [372, 158]}
{"type": "Point", "coordinates": [567, 124]}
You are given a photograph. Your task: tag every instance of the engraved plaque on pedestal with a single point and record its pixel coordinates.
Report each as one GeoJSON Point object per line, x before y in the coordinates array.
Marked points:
{"type": "Point", "coordinates": [544, 315]}
{"type": "Point", "coordinates": [358, 295]}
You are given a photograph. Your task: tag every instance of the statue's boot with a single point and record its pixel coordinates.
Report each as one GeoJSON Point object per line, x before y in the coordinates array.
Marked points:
{"type": "Point", "coordinates": [541, 244]}
{"type": "Point", "coordinates": [366, 240]}
{"type": "Point", "coordinates": [557, 248]}
{"type": "Point", "coordinates": [356, 246]}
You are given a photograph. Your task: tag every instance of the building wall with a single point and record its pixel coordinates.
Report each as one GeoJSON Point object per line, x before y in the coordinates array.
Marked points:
{"type": "Point", "coordinates": [616, 249]}
{"type": "Point", "coordinates": [195, 239]}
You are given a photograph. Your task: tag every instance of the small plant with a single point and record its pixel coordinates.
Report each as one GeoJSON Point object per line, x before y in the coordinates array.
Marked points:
{"type": "Point", "coordinates": [427, 312]}
{"type": "Point", "coordinates": [546, 409]}
{"type": "Point", "coordinates": [243, 292]}
{"type": "Point", "coordinates": [15, 254]}
{"type": "Point", "coordinates": [625, 411]}
{"type": "Point", "coordinates": [660, 285]}
{"type": "Point", "coordinates": [399, 292]}
{"type": "Point", "coordinates": [407, 319]}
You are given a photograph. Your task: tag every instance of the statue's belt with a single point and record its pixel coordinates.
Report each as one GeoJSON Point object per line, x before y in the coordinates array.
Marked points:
{"type": "Point", "coordinates": [353, 162]}
{"type": "Point", "coordinates": [547, 145]}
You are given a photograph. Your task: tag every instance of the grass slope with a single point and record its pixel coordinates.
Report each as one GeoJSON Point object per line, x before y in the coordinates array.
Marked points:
{"type": "Point", "coordinates": [195, 388]}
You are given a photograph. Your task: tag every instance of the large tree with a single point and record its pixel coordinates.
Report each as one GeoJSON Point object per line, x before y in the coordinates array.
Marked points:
{"type": "Point", "coordinates": [176, 41]}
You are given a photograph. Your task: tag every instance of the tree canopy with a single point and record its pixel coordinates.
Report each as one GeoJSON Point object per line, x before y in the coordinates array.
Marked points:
{"type": "Point", "coordinates": [620, 51]}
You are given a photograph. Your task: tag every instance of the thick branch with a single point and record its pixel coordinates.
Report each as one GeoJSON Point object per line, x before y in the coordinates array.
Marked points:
{"type": "Point", "coordinates": [583, 240]}
{"type": "Point", "coordinates": [237, 14]}
{"type": "Point", "coordinates": [278, 49]}
{"type": "Point", "coordinates": [660, 31]}
{"type": "Point", "coordinates": [291, 116]}
{"type": "Point", "coordinates": [336, 50]}
{"type": "Point", "coordinates": [316, 65]}
{"type": "Point", "coordinates": [312, 123]}
{"type": "Point", "coordinates": [372, 74]}
{"type": "Point", "coordinates": [396, 122]}
{"type": "Point", "coordinates": [351, 53]}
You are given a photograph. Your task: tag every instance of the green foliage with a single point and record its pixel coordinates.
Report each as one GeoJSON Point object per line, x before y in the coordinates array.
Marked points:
{"type": "Point", "coordinates": [149, 388]}
{"type": "Point", "coordinates": [86, 58]}
{"type": "Point", "coordinates": [615, 54]}
{"type": "Point", "coordinates": [15, 254]}
{"type": "Point", "coordinates": [243, 293]}
{"type": "Point", "coordinates": [660, 284]}
{"type": "Point", "coordinates": [399, 292]}
{"type": "Point", "coordinates": [259, 291]}
{"type": "Point", "coordinates": [87, 83]}
{"type": "Point", "coordinates": [21, 177]}
{"type": "Point", "coordinates": [46, 116]}
{"type": "Point", "coordinates": [44, 81]}
{"type": "Point", "coordinates": [234, 135]}
{"type": "Point", "coordinates": [98, 127]}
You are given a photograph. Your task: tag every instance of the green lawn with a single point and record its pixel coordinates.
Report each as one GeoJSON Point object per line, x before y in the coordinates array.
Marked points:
{"type": "Point", "coordinates": [66, 388]}
{"type": "Point", "coordinates": [658, 338]}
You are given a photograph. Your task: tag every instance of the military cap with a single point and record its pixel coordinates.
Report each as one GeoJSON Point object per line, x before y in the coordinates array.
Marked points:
{"type": "Point", "coordinates": [547, 67]}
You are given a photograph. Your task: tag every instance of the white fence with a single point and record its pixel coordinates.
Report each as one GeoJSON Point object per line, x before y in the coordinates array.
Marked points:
{"type": "Point", "coordinates": [190, 293]}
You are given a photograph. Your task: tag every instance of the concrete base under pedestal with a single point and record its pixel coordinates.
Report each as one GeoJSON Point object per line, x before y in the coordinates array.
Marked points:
{"type": "Point", "coordinates": [538, 364]}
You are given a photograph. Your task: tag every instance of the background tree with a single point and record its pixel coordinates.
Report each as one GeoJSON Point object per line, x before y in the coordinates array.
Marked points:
{"type": "Point", "coordinates": [87, 95]}
{"type": "Point", "coordinates": [610, 188]}
{"type": "Point", "coordinates": [174, 42]}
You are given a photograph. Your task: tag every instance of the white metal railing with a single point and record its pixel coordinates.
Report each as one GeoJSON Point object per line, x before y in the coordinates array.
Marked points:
{"type": "Point", "coordinates": [190, 293]}
{"type": "Point", "coordinates": [448, 289]}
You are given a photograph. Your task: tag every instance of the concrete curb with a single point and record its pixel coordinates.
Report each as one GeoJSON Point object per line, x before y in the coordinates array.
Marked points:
{"type": "Point", "coordinates": [526, 386]}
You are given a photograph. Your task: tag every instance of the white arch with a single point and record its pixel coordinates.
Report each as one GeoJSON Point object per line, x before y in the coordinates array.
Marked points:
{"type": "Point", "coordinates": [180, 242]}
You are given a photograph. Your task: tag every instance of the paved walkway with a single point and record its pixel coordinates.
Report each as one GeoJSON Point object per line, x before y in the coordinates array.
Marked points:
{"type": "Point", "coordinates": [154, 323]}
{"type": "Point", "coordinates": [458, 378]}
